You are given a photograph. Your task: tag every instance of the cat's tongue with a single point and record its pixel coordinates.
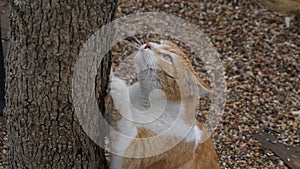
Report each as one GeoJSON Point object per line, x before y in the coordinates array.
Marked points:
{"type": "Point", "coordinates": [148, 45]}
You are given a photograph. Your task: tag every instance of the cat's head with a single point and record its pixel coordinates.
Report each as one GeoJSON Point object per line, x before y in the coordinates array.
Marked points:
{"type": "Point", "coordinates": [169, 69]}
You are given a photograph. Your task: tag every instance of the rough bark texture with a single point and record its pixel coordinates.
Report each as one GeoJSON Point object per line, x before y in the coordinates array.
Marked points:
{"type": "Point", "coordinates": [46, 36]}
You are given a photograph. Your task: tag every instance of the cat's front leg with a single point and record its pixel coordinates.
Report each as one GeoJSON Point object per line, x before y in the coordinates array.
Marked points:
{"type": "Point", "coordinates": [119, 92]}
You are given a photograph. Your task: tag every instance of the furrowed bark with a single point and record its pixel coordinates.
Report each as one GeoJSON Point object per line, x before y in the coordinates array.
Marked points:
{"type": "Point", "coordinates": [46, 37]}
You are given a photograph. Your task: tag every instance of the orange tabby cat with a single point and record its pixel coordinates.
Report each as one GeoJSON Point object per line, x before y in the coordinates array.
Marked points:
{"type": "Point", "coordinates": [156, 114]}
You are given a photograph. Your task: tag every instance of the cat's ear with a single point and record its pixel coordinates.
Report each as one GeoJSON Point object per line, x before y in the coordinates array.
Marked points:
{"type": "Point", "coordinates": [196, 86]}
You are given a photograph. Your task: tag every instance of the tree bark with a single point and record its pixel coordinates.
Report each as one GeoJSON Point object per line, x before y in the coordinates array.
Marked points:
{"type": "Point", "coordinates": [45, 39]}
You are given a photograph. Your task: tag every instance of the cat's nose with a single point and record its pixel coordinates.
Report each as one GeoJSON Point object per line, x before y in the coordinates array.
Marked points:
{"type": "Point", "coordinates": [148, 45]}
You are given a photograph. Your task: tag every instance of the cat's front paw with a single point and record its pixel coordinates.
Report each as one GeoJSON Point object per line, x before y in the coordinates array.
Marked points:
{"type": "Point", "coordinates": [119, 93]}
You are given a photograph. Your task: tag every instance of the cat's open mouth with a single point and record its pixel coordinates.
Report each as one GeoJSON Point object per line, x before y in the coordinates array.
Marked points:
{"type": "Point", "coordinates": [150, 45]}
{"type": "Point", "coordinates": [146, 57]}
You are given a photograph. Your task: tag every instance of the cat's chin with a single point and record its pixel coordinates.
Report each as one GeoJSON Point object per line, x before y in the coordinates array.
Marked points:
{"type": "Point", "coordinates": [145, 59]}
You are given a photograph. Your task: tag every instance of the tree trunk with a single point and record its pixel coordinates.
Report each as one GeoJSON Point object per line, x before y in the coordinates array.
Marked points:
{"type": "Point", "coordinates": [46, 36]}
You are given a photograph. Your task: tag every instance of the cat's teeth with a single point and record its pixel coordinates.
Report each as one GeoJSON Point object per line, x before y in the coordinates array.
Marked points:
{"type": "Point", "coordinates": [148, 45]}
{"type": "Point", "coordinates": [151, 44]}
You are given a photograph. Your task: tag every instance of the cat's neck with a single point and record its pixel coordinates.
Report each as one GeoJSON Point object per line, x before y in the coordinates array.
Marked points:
{"type": "Point", "coordinates": [139, 97]}
{"type": "Point", "coordinates": [148, 81]}
{"type": "Point", "coordinates": [140, 94]}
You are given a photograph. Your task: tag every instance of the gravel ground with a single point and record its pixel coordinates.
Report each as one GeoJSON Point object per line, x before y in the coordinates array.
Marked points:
{"type": "Point", "coordinates": [261, 58]}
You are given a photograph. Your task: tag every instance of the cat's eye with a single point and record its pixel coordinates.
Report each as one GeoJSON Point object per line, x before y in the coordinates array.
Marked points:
{"type": "Point", "coordinates": [167, 57]}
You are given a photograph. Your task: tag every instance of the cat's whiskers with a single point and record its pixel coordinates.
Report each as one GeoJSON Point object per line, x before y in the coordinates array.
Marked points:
{"type": "Point", "coordinates": [149, 65]}
{"type": "Point", "coordinates": [136, 45]}
{"type": "Point", "coordinates": [137, 41]}
{"type": "Point", "coordinates": [143, 42]}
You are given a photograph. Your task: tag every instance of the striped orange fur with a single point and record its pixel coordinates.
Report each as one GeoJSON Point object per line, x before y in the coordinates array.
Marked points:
{"type": "Point", "coordinates": [171, 71]}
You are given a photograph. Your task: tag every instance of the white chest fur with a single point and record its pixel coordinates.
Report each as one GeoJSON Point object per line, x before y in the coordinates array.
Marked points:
{"type": "Point", "coordinates": [162, 117]}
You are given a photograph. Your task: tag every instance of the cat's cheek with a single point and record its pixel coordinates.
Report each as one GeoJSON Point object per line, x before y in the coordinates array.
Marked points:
{"type": "Point", "coordinates": [139, 62]}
